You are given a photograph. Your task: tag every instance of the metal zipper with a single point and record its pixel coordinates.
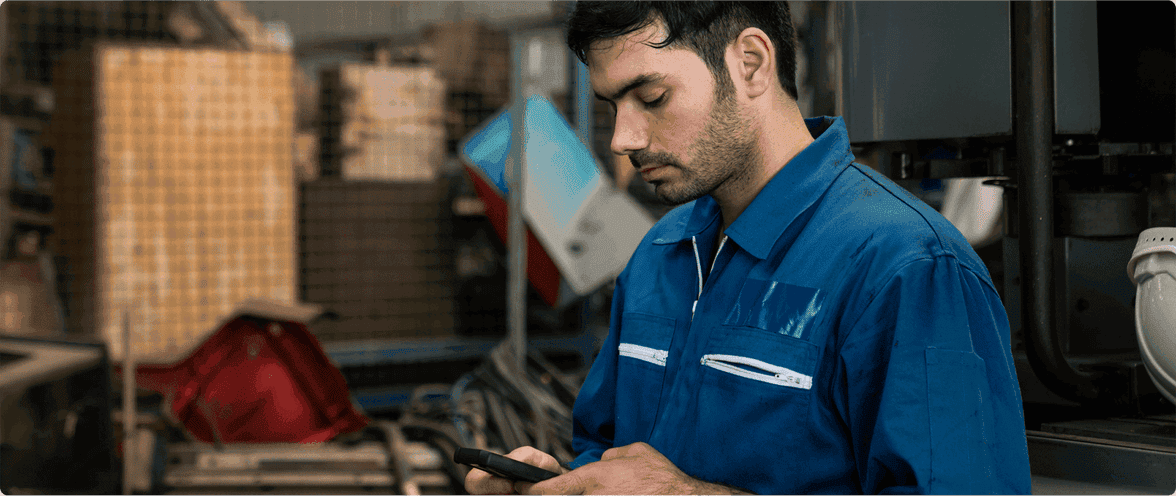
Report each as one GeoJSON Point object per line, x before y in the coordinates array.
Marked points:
{"type": "Point", "coordinates": [656, 357]}
{"type": "Point", "coordinates": [698, 263]}
{"type": "Point", "coordinates": [772, 374]}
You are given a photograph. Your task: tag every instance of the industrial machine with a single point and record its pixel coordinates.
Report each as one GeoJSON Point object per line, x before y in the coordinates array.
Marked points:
{"type": "Point", "coordinates": [359, 465]}
{"type": "Point", "coordinates": [1070, 107]}
{"type": "Point", "coordinates": [583, 229]}
{"type": "Point", "coordinates": [55, 424]}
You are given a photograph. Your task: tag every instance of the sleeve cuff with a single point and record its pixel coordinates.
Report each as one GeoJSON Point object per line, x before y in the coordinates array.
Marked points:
{"type": "Point", "coordinates": [589, 456]}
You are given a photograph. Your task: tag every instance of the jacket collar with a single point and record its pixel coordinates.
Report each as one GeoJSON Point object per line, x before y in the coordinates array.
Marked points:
{"type": "Point", "coordinates": [789, 193]}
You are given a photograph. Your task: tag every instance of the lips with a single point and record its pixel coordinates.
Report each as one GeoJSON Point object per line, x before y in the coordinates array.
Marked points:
{"type": "Point", "coordinates": [646, 171]}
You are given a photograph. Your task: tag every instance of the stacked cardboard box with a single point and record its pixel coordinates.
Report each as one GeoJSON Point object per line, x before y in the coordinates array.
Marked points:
{"type": "Point", "coordinates": [380, 255]}
{"type": "Point", "coordinates": [473, 57]}
{"type": "Point", "coordinates": [382, 123]}
{"type": "Point", "coordinates": [174, 190]}
{"type": "Point", "coordinates": [474, 60]}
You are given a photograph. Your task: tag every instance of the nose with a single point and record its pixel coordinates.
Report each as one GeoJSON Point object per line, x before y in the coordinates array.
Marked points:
{"type": "Point", "coordinates": [630, 133]}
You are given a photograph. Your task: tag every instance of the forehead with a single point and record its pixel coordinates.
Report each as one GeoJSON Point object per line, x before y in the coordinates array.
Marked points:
{"type": "Point", "coordinates": [612, 62]}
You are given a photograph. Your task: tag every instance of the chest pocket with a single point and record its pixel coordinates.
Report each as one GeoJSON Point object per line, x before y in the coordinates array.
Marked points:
{"type": "Point", "coordinates": [753, 377]}
{"type": "Point", "coordinates": [641, 371]}
{"type": "Point", "coordinates": [777, 307]}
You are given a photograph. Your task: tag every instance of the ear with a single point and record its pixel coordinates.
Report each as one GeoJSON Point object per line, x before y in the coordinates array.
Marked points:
{"type": "Point", "coordinates": [752, 61]}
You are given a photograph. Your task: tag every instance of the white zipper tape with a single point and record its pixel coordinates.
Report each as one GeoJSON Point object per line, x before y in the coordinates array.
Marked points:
{"type": "Point", "coordinates": [779, 376]}
{"type": "Point", "coordinates": [656, 357]}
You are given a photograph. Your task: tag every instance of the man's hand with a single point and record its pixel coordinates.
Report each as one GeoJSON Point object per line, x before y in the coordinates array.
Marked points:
{"type": "Point", "coordinates": [482, 482]}
{"type": "Point", "coordinates": [634, 469]}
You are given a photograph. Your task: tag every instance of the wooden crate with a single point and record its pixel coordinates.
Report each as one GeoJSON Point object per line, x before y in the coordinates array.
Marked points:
{"type": "Point", "coordinates": [383, 123]}
{"type": "Point", "coordinates": [174, 191]}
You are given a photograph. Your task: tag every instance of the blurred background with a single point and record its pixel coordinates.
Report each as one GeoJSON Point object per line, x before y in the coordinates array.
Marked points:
{"type": "Point", "coordinates": [264, 247]}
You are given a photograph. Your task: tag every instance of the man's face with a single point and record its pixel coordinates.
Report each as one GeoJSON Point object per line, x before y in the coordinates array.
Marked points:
{"type": "Point", "coordinates": [679, 127]}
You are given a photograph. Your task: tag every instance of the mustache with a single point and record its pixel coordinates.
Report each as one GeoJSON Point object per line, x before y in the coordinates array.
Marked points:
{"type": "Point", "coordinates": [641, 158]}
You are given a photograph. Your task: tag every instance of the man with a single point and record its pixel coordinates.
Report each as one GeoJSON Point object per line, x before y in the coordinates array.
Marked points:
{"type": "Point", "coordinates": [800, 324]}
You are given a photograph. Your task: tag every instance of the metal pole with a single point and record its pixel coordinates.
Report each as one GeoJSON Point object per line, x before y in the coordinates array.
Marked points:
{"type": "Point", "coordinates": [516, 282]}
{"type": "Point", "coordinates": [583, 103]}
{"type": "Point", "coordinates": [1034, 126]}
{"type": "Point", "coordinates": [128, 403]}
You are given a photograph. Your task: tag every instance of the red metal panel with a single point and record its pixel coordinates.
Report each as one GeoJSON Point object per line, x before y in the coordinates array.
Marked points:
{"type": "Point", "coordinates": [541, 269]}
{"type": "Point", "coordinates": [257, 381]}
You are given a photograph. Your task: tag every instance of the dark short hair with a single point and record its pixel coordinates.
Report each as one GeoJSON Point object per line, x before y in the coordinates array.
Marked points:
{"type": "Point", "coordinates": [706, 28]}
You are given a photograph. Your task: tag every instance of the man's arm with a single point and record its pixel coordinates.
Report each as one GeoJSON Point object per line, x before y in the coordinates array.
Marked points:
{"type": "Point", "coordinates": [594, 413]}
{"type": "Point", "coordinates": [928, 390]}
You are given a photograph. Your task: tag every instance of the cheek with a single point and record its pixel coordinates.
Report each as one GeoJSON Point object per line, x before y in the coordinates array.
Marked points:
{"type": "Point", "coordinates": [677, 132]}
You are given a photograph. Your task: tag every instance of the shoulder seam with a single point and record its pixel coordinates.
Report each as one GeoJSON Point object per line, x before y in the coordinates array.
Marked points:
{"type": "Point", "coordinates": [904, 201]}
{"type": "Point", "coordinates": [898, 269]}
{"type": "Point", "coordinates": [852, 328]}
{"type": "Point", "coordinates": [926, 222]}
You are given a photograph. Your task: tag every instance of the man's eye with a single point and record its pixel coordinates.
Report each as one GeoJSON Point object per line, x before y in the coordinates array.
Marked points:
{"type": "Point", "coordinates": [656, 103]}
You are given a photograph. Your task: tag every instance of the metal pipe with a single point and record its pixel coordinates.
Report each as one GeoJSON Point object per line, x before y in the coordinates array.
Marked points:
{"type": "Point", "coordinates": [398, 457]}
{"type": "Point", "coordinates": [1034, 127]}
{"type": "Point", "coordinates": [516, 282]}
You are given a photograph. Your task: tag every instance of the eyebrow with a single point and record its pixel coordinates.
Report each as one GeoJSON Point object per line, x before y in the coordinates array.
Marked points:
{"type": "Point", "coordinates": [634, 83]}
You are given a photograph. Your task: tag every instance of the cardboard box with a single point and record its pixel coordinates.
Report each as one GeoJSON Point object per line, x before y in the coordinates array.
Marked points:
{"type": "Point", "coordinates": [175, 190]}
{"type": "Point", "coordinates": [383, 123]}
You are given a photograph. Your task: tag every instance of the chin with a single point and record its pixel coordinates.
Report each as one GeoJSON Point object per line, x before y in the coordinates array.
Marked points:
{"type": "Point", "coordinates": [674, 198]}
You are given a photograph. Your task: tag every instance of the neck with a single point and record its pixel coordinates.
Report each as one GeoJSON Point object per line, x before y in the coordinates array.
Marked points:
{"type": "Point", "coordinates": [778, 141]}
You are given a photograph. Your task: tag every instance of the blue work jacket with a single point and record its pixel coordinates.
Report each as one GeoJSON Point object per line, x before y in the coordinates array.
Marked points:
{"type": "Point", "coordinates": [845, 339]}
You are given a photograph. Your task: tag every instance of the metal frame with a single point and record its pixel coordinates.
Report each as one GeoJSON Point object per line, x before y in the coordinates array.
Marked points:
{"type": "Point", "coordinates": [1086, 459]}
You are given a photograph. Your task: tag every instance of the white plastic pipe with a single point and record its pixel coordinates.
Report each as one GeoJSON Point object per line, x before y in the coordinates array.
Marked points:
{"type": "Point", "coordinates": [1153, 270]}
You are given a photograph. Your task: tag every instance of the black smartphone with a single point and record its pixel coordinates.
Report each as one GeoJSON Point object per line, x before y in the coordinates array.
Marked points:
{"type": "Point", "coordinates": [501, 466]}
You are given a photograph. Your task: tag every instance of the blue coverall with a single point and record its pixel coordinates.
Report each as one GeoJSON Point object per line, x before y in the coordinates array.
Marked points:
{"type": "Point", "coordinates": [846, 339]}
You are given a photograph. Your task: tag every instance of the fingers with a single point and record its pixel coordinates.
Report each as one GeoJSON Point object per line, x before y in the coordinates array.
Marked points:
{"type": "Point", "coordinates": [532, 456]}
{"type": "Point", "coordinates": [524, 488]}
{"type": "Point", "coordinates": [482, 482]}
